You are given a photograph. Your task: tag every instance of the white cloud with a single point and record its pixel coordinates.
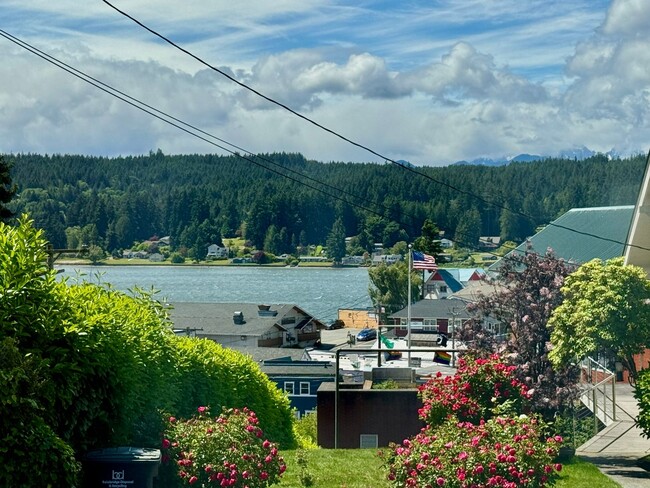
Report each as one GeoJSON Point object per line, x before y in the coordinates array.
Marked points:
{"type": "Point", "coordinates": [428, 82]}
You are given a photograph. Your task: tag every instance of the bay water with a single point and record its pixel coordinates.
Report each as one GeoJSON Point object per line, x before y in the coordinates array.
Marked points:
{"type": "Point", "coordinates": [318, 291]}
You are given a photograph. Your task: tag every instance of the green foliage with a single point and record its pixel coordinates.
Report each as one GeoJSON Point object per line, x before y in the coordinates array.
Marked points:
{"type": "Point", "coordinates": [479, 390]}
{"type": "Point", "coordinates": [176, 258]}
{"type": "Point", "coordinates": [206, 449]}
{"type": "Point", "coordinates": [306, 476]}
{"type": "Point", "coordinates": [461, 454]}
{"type": "Point", "coordinates": [389, 286]}
{"type": "Point", "coordinates": [194, 198]}
{"type": "Point", "coordinates": [306, 431]}
{"type": "Point", "coordinates": [642, 395]}
{"type": "Point", "coordinates": [210, 374]}
{"type": "Point", "coordinates": [429, 240]}
{"type": "Point", "coordinates": [336, 242]}
{"type": "Point", "coordinates": [606, 309]}
{"type": "Point", "coordinates": [7, 189]}
{"type": "Point", "coordinates": [86, 366]}
{"type": "Point", "coordinates": [389, 384]}
{"type": "Point", "coordinates": [526, 293]}
{"type": "Point", "coordinates": [95, 254]}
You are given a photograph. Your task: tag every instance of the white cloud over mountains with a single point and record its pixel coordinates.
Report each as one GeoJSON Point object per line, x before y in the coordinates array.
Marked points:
{"type": "Point", "coordinates": [430, 85]}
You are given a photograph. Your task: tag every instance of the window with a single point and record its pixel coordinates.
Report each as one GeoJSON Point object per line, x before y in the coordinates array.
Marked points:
{"type": "Point", "coordinates": [368, 441]}
{"type": "Point", "coordinates": [443, 289]}
{"type": "Point", "coordinates": [288, 387]}
{"type": "Point", "coordinates": [288, 320]}
{"type": "Point", "coordinates": [304, 387]}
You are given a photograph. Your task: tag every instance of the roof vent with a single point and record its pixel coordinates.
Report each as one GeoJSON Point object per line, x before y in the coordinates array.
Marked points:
{"type": "Point", "coordinates": [238, 318]}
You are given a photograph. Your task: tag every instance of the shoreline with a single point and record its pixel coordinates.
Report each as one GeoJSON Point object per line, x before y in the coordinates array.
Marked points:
{"type": "Point", "coordinates": [144, 262]}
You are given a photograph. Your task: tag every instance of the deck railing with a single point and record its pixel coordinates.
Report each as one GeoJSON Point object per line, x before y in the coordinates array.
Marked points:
{"type": "Point", "coordinates": [598, 391]}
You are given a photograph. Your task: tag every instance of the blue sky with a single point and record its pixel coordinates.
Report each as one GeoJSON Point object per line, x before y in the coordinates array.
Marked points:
{"type": "Point", "coordinates": [431, 82]}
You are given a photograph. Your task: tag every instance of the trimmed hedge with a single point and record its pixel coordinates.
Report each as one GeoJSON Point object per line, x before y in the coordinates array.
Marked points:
{"type": "Point", "coordinates": [91, 367]}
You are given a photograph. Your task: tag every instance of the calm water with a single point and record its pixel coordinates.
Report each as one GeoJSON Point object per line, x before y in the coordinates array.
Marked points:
{"type": "Point", "coordinates": [319, 291]}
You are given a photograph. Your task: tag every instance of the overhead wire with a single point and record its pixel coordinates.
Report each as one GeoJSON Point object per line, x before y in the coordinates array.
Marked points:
{"type": "Point", "coordinates": [179, 123]}
{"type": "Point", "coordinates": [189, 128]}
{"type": "Point", "coordinates": [350, 141]}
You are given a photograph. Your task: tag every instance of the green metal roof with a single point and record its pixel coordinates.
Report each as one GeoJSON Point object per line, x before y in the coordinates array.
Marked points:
{"type": "Point", "coordinates": [583, 234]}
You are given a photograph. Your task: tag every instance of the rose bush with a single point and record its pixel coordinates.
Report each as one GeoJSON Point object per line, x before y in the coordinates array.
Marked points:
{"type": "Point", "coordinates": [228, 450]}
{"type": "Point", "coordinates": [480, 389]}
{"type": "Point", "coordinates": [502, 452]}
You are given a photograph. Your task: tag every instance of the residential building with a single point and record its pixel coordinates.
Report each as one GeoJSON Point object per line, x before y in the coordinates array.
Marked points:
{"type": "Point", "coordinates": [247, 324]}
{"type": "Point", "coordinates": [215, 251]}
{"type": "Point", "coordinates": [444, 282]}
{"type": "Point", "coordinates": [300, 380]}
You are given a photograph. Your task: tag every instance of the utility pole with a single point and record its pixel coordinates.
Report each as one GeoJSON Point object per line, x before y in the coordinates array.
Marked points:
{"type": "Point", "coordinates": [454, 314]}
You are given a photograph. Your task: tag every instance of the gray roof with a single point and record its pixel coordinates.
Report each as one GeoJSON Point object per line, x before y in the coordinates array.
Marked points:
{"type": "Point", "coordinates": [217, 318]}
{"type": "Point", "coordinates": [437, 308]}
{"type": "Point", "coordinates": [260, 354]}
{"type": "Point", "coordinates": [601, 233]}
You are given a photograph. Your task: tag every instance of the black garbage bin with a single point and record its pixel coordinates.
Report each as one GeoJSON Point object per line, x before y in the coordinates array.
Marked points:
{"type": "Point", "coordinates": [121, 467]}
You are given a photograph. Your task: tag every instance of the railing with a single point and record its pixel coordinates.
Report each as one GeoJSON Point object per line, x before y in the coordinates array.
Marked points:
{"type": "Point", "coordinates": [598, 391]}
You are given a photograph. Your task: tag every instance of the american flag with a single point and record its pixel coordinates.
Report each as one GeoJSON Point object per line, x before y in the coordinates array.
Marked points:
{"type": "Point", "coordinates": [424, 261]}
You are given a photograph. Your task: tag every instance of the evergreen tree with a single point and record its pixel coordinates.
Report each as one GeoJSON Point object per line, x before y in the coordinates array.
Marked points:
{"type": "Point", "coordinates": [429, 240]}
{"type": "Point", "coordinates": [7, 190]}
{"type": "Point", "coordinates": [336, 242]}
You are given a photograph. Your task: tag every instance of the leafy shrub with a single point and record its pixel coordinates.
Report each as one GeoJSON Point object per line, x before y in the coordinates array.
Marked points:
{"type": "Point", "coordinates": [176, 258]}
{"type": "Point", "coordinates": [209, 374]}
{"type": "Point", "coordinates": [505, 452]}
{"type": "Point", "coordinates": [228, 450]}
{"type": "Point", "coordinates": [642, 395]}
{"type": "Point", "coordinates": [85, 366]}
{"type": "Point", "coordinates": [480, 389]}
{"type": "Point", "coordinates": [306, 431]}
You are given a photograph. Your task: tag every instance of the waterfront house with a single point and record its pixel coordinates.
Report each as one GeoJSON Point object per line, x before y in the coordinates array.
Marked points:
{"type": "Point", "coordinates": [215, 251]}
{"type": "Point", "coordinates": [247, 324]}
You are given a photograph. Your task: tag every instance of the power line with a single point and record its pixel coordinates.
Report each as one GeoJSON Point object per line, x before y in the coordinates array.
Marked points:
{"type": "Point", "coordinates": [188, 128]}
{"type": "Point", "coordinates": [348, 140]}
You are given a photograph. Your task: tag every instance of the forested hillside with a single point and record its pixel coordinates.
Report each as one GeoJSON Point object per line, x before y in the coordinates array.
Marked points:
{"type": "Point", "coordinates": [199, 199]}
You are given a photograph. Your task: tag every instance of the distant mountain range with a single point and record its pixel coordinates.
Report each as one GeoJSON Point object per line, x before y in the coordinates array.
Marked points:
{"type": "Point", "coordinates": [575, 153]}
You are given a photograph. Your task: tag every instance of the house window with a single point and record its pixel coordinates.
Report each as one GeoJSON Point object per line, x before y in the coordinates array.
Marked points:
{"type": "Point", "coordinates": [430, 289]}
{"type": "Point", "coordinates": [288, 320]}
{"type": "Point", "coordinates": [368, 441]}
{"type": "Point", "coordinates": [288, 387]}
{"type": "Point", "coordinates": [304, 387]}
{"type": "Point", "coordinates": [443, 289]}
{"type": "Point", "coordinates": [430, 325]}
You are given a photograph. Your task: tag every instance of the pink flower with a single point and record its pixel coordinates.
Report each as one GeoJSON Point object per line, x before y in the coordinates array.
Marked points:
{"type": "Point", "coordinates": [201, 409]}
{"type": "Point", "coordinates": [558, 467]}
{"type": "Point", "coordinates": [440, 481]}
{"type": "Point", "coordinates": [166, 444]}
{"type": "Point", "coordinates": [193, 480]}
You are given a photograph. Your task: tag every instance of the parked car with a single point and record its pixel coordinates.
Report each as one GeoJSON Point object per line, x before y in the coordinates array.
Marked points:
{"type": "Point", "coordinates": [367, 335]}
{"type": "Point", "coordinates": [337, 324]}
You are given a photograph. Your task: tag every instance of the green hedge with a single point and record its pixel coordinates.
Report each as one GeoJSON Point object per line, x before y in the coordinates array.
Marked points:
{"type": "Point", "coordinates": [88, 367]}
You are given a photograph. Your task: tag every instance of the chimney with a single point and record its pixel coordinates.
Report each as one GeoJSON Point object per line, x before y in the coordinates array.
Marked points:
{"type": "Point", "coordinates": [238, 318]}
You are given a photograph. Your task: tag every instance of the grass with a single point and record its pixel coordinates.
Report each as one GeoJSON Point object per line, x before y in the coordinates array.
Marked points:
{"type": "Point", "coordinates": [362, 468]}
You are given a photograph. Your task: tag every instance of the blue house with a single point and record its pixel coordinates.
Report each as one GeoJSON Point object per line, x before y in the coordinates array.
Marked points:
{"type": "Point", "coordinates": [299, 379]}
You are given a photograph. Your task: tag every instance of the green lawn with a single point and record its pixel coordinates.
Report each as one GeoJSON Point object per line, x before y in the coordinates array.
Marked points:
{"type": "Point", "coordinates": [362, 468]}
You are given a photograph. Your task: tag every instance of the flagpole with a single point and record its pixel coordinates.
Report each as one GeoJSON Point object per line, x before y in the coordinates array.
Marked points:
{"type": "Point", "coordinates": [408, 308]}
